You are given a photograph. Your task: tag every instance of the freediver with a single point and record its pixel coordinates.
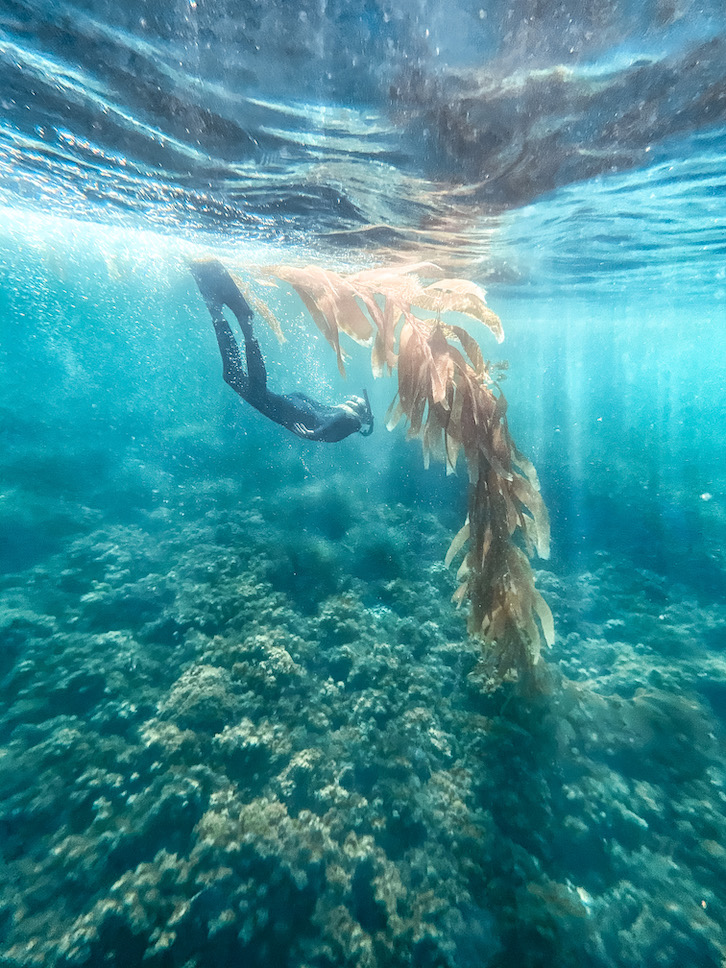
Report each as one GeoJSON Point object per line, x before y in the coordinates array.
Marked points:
{"type": "Point", "coordinates": [305, 417]}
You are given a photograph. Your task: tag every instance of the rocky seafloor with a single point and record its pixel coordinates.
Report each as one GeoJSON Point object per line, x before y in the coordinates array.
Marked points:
{"type": "Point", "coordinates": [228, 739]}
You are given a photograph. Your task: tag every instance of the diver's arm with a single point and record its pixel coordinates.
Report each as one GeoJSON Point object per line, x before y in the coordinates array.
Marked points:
{"type": "Point", "coordinates": [330, 430]}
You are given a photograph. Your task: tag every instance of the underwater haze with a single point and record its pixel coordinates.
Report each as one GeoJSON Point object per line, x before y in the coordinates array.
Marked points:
{"type": "Point", "coordinates": [242, 723]}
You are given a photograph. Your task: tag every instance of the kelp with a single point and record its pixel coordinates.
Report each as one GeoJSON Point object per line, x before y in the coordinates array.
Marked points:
{"type": "Point", "coordinates": [454, 404]}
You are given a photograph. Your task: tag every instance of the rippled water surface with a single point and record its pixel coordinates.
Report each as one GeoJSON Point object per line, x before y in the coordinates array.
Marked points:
{"type": "Point", "coordinates": [387, 126]}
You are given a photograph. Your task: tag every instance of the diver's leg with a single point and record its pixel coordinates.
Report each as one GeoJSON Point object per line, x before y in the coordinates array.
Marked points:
{"type": "Point", "coordinates": [219, 289]}
{"type": "Point", "coordinates": [256, 372]}
{"type": "Point", "coordinates": [232, 372]}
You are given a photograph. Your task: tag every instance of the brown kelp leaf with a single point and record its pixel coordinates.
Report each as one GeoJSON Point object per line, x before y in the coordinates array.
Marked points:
{"type": "Point", "coordinates": [394, 414]}
{"type": "Point", "coordinates": [382, 354]}
{"type": "Point", "coordinates": [544, 614]}
{"type": "Point", "coordinates": [458, 543]}
{"type": "Point", "coordinates": [460, 594]}
{"type": "Point", "coordinates": [406, 368]}
{"type": "Point", "coordinates": [309, 283]}
{"type": "Point", "coordinates": [434, 438]}
{"type": "Point", "coordinates": [320, 320]}
{"type": "Point", "coordinates": [493, 460]}
{"type": "Point", "coordinates": [339, 304]}
{"type": "Point", "coordinates": [443, 365]}
{"type": "Point", "coordinates": [526, 466]}
{"type": "Point", "coordinates": [260, 307]}
{"type": "Point", "coordinates": [396, 278]}
{"type": "Point", "coordinates": [263, 310]}
{"type": "Point", "coordinates": [452, 446]}
{"type": "Point", "coordinates": [334, 296]}
{"type": "Point", "coordinates": [532, 499]}
{"type": "Point", "coordinates": [460, 296]}
{"type": "Point", "coordinates": [471, 348]}
{"type": "Point", "coordinates": [378, 356]}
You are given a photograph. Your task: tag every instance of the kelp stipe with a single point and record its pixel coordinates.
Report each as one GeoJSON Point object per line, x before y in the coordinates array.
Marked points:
{"type": "Point", "coordinates": [453, 403]}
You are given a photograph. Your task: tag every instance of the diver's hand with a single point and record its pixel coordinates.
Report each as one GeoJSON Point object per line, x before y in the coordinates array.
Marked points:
{"type": "Point", "coordinates": [302, 431]}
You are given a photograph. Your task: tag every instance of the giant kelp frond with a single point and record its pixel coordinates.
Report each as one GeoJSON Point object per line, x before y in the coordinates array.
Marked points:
{"type": "Point", "coordinates": [507, 611]}
{"type": "Point", "coordinates": [451, 401]}
{"type": "Point", "coordinates": [336, 303]}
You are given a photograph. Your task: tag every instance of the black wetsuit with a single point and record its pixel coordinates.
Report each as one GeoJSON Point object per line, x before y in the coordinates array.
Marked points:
{"type": "Point", "coordinates": [297, 412]}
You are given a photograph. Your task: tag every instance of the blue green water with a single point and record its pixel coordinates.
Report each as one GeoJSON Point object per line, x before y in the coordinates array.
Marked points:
{"type": "Point", "coordinates": [241, 722]}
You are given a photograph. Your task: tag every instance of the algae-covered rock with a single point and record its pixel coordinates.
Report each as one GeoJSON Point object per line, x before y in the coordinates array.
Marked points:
{"type": "Point", "coordinates": [202, 699]}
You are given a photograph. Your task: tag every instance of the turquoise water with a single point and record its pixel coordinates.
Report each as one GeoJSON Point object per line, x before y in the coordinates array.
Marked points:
{"type": "Point", "coordinates": [241, 722]}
